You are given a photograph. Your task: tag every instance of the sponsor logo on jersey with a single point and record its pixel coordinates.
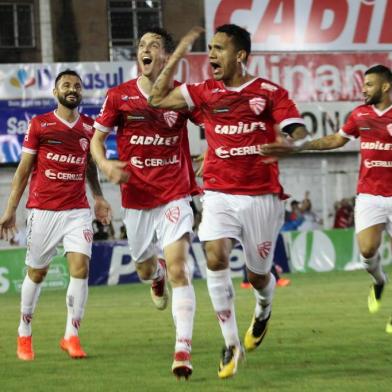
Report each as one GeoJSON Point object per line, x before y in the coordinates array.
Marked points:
{"type": "Point", "coordinates": [83, 144]}
{"type": "Point", "coordinates": [362, 114]}
{"type": "Point", "coordinates": [46, 124]}
{"type": "Point", "coordinates": [135, 117]}
{"type": "Point", "coordinates": [87, 127]}
{"type": "Point", "coordinates": [220, 110]}
{"type": "Point", "coordinates": [264, 249]}
{"type": "Point", "coordinates": [369, 164]}
{"type": "Point", "coordinates": [65, 158]}
{"type": "Point", "coordinates": [364, 128]}
{"type": "Point", "coordinates": [170, 118]}
{"type": "Point", "coordinates": [221, 152]}
{"type": "Point", "coordinates": [257, 105]}
{"type": "Point", "coordinates": [173, 214]}
{"type": "Point", "coordinates": [240, 128]}
{"type": "Point", "coordinates": [376, 146]}
{"type": "Point", "coordinates": [154, 162]}
{"type": "Point", "coordinates": [88, 235]}
{"type": "Point", "coordinates": [53, 175]}
{"type": "Point", "coordinates": [389, 129]}
{"type": "Point", "coordinates": [268, 86]}
{"type": "Point", "coordinates": [218, 90]}
{"type": "Point", "coordinates": [127, 97]}
{"type": "Point", "coordinates": [156, 140]}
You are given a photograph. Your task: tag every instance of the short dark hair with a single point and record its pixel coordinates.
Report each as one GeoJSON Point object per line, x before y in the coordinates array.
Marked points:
{"type": "Point", "coordinates": [66, 72]}
{"type": "Point", "coordinates": [240, 36]}
{"type": "Point", "coordinates": [168, 42]}
{"type": "Point", "coordinates": [381, 70]}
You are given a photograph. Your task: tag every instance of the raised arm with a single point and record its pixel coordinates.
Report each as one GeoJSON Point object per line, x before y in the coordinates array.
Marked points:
{"type": "Point", "coordinates": [161, 96]}
{"type": "Point", "coordinates": [19, 182]}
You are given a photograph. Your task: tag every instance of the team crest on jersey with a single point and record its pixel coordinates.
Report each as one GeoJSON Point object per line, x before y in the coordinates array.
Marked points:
{"type": "Point", "coordinates": [264, 249]}
{"type": "Point", "coordinates": [88, 235]}
{"type": "Point", "coordinates": [170, 118]}
{"type": "Point", "coordinates": [257, 105]}
{"type": "Point", "coordinates": [83, 143]}
{"type": "Point", "coordinates": [173, 214]}
{"type": "Point", "coordinates": [389, 128]}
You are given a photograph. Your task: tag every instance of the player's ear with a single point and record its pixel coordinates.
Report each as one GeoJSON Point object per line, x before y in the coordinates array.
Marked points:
{"type": "Point", "coordinates": [241, 56]}
{"type": "Point", "coordinates": [386, 86]}
{"type": "Point", "coordinates": [55, 92]}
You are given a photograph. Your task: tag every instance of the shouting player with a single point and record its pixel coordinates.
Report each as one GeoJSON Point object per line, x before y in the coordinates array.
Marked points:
{"type": "Point", "coordinates": [243, 197]}
{"type": "Point", "coordinates": [56, 154]}
{"type": "Point", "coordinates": [155, 172]}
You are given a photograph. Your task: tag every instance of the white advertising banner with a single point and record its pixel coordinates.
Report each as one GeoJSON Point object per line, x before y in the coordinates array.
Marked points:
{"type": "Point", "coordinates": [30, 81]}
{"type": "Point", "coordinates": [306, 25]}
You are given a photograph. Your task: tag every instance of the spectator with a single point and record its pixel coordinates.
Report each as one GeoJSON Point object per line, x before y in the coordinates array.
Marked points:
{"type": "Point", "coordinates": [344, 216]}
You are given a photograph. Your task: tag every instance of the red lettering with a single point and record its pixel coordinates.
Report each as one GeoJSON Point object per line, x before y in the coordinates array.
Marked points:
{"type": "Point", "coordinates": [386, 31]}
{"type": "Point", "coordinates": [363, 24]}
{"type": "Point", "coordinates": [226, 8]}
{"type": "Point", "coordinates": [315, 33]}
{"type": "Point", "coordinates": [269, 27]}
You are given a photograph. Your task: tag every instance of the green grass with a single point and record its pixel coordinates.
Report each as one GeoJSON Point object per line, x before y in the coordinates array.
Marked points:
{"type": "Point", "coordinates": [321, 338]}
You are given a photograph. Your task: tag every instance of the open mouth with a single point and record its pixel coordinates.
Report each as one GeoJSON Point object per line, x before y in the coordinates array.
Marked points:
{"type": "Point", "coordinates": [146, 60]}
{"type": "Point", "coordinates": [215, 66]}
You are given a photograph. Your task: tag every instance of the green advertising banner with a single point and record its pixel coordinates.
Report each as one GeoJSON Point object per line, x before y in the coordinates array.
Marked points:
{"type": "Point", "coordinates": [327, 250]}
{"type": "Point", "coordinates": [13, 270]}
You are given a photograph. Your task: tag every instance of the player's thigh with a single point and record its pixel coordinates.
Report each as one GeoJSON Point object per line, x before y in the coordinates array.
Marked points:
{"type": "Point", "coordinates": [219, 217]}
{"type": "Point", "coordinates": [370, 211]}
{"type": "Point", "coordinates": [173, 221]}
{"type": "Point", "coordinates": [78, 231]}
{"type": "Point", "coordinates": [44, 233]}
{"type": "Point", "coordinates": [262, 221]}
{"type": "Point", "coordinates": [141, 233]}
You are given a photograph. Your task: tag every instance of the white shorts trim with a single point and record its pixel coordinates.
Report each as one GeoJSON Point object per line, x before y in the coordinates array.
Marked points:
{"type": "Point", "coordinates": [47, 229]}
{"type": "Point", "coordinates": [371, 210]}
{"type": "Point", "coordinates": [150, 231]}
{"type": "Point", "coordinates": [255, 221]}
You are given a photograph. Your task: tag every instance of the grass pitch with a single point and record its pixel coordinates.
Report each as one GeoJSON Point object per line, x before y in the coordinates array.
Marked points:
{"type": "Point", "coordinates": [321, 338]}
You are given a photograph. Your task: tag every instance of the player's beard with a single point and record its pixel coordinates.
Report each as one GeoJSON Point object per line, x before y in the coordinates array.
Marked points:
{"type": "Point", "coordinates": [375, 99]}
{"type": "Point", "coordinates": [70, 104]}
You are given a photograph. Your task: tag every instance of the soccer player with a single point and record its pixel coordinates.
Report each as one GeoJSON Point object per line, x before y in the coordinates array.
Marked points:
{"type": "Point", "coordinates": [372, 124]}
{"type": "Point", "coordinates": [243, 196]}
{"type": "Point", "coordinates": [56, 154]}
{"type": "Point", "coordinates": [156, 177]}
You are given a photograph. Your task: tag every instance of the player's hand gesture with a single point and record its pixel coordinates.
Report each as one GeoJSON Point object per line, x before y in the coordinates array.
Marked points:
{"type": "Point", "coordinates": [188, 40]}
{"type": "Point", "coordinates": [8, 225]}
{"type": "Point", "coordinates": [103, 211]}
{"type": "Point", "coordinates": [114, 171]}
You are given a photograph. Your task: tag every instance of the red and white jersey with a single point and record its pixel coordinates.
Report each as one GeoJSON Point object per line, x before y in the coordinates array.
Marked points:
{"type": "Point", "coordinates": [374, 128]}
{"type": "Point", "coordinates": [237, 121]}
{"type": "Point", "coordinates": [58, 177]}
{"type": "Point", "coordinates": [153, 142]}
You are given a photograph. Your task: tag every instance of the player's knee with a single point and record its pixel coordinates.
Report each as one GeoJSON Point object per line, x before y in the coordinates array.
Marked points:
{"type": "Point", "coordinates": [145, 270]}
{"type": "Point", "coordinates": [368, 250]}
{"type": "Point", "coordinates": [177, 273]}
{"type": "Point", "coordinates": [79, 271]}
{"type": "Point", "coordinates": [37, 275]}
{"type": "Point", "coordinates": [217, 259]}
{"type": "Point", "coordinates": [258, 281]}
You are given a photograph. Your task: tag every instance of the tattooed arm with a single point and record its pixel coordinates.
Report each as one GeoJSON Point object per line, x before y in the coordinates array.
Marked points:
{"type": "Point", "coordinates": [161, 96]}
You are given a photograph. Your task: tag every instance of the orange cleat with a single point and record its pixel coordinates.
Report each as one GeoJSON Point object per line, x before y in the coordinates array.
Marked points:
{"type": "Point", "coordinates": [73, 347]}
{"type": "Point", "coordinates": [246, 285]}
{"type": "Point", "coordinates": [25, 348]}
{"type": "Point", "coordinates": [283, 282]}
